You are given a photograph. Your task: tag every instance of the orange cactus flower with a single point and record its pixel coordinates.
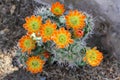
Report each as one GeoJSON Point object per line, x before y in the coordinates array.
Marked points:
{"type": "Point", "coordinates": [93, 57]}
{"type": "Point", "coordinates": [75, 19]}
{"type": "Point", "coordinates": [33, 24]}
{"type": "Point", "coordinates": [35, 64]}
{"type": "Point", "coordinates": [46, 55]}
{"type": "Point", "coordinates": [62, 38]}
{"type": "Point", "coordinates": [47, 30]}
{"type": "Point", "coordinates": [26, 43]}
{"type": "Point", "coordinates": [57, 8]}
{"type": "Point", "coordinates": [78, 33]}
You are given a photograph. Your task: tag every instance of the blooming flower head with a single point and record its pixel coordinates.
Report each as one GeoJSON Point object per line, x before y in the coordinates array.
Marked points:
{"type": "Point", "coordinates": [47, 30]}
{"type": "Point", "coordinates": [33, 24]}
{"type": "Point", "coordinates": [26, 43]}
{"type": "Point", "coordinates": [57, 8]}
{"type": "Point", "coordinates": [78, 33]}
{"type": "Point", "coordinates": [35, 64]}
{"type": "Point", "coordinates": [93, 57]}
{"type": "Point", "coordinates": [62, 38]}
{"type": "Point", "coordinates": [75, 19]}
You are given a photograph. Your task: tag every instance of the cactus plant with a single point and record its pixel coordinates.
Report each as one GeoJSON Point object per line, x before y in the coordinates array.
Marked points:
{"type": "Point", "coordinates": [58, 34]}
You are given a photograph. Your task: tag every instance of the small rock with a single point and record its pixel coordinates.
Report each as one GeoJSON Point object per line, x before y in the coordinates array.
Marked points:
{"type": "Point", "coordinates": [4, 31]}
{"type": "Point", "coordinates": [12, 10]}
{"type": "Point", "coordinates": [5, 65]}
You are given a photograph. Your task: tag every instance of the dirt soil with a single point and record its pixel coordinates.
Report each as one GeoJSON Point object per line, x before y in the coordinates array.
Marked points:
{"type": "Point", "coordinates": [12, 14]}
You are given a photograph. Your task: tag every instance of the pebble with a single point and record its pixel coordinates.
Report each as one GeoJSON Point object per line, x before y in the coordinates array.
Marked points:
{"type": "Point", "coordinates": [12, 10]}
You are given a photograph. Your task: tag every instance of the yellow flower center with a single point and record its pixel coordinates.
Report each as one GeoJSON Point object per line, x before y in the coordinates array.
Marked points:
{"type": "Point", "coordinates": [92, 56]}
{"type": "Point", "coordinates": [62, 38]}
{"type": "Point", "coordinates": [35, 64]}
{"type": "Point", "coordinates": [74, 20]}
{"type": "Point", "coordinates": [58, 10]}
{"type": "Point", "coordinates": [34, 25]}
{"type": "Point", "coordinates": [48, 31]}
{"type": "Point", "coordinates": [27, 43]}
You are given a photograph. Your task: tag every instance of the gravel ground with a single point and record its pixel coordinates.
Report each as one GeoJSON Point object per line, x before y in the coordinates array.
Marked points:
{"type": "Point", "coordinates": [108, 70]}
{"type": "Point", "coordinates": [12, 14]}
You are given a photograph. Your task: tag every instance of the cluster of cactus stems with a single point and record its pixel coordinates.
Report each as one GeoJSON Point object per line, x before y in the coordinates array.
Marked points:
{"type": "Point", "coordinates": [73, 54]}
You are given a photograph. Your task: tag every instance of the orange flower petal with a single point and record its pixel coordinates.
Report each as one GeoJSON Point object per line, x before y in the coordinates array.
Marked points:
{"type": "Point", "coordinates": [62, 38]}
{"type": "Point", "coordinates": [75, 19]}
{"type": "Point", "coordinates": [35, 64]}
{"type": "Point", "coordinates": [93, 57]}
{"type": "Point", "coordinates": [26, 43]}
{"type": "Point", "coordinates": [47, 30]}
{"type": "Point", "coordinates": [33, 24]}
{"type": "Point", "coordinates": [57, 8]}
